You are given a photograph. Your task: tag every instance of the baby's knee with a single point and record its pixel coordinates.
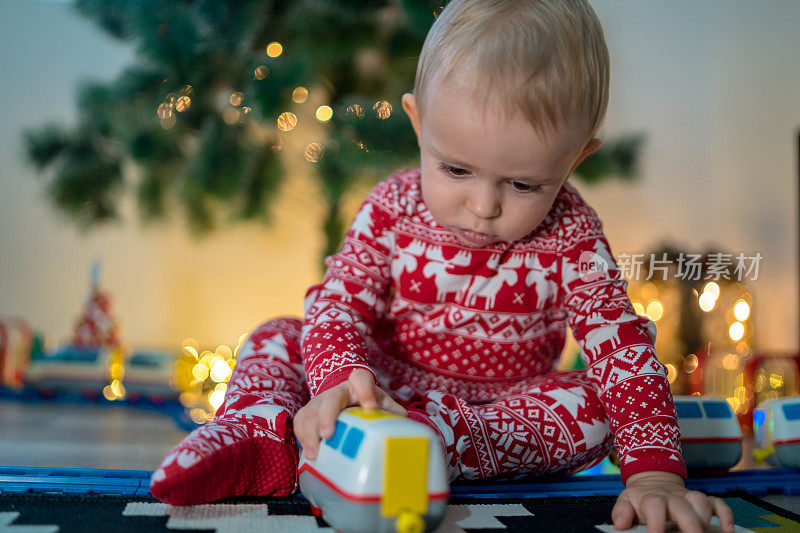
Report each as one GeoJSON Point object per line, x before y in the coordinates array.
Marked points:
{"type": "Point", "coordinates": [279, 337]}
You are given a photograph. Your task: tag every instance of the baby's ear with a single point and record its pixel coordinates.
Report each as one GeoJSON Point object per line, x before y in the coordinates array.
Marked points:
{"type": "Point", "coordinates": [411, 109]}
{"type": "Point", "coordinates": [591, 147]}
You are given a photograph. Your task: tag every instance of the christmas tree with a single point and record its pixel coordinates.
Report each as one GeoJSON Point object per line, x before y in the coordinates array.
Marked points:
{"type": "Point", "coordinates": [202, 111]}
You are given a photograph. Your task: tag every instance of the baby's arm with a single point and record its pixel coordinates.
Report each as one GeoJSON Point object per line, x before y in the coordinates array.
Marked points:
{"type": "Point", "coordinates": [617, 346]}
{"type": "Point", "coordinates": [317, 419]}
{"type": "Point", "coordinates": [339, 316]}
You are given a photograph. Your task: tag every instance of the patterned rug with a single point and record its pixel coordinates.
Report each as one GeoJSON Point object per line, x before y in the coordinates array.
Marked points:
{"type": "Point", "coordinates": [79, 513]}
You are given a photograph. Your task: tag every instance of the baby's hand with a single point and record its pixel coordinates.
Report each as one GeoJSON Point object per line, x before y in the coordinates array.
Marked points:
{"type": "Point", "coordinates": [317, 419]}
{"type": "Point", "coordinates": [653, 498]}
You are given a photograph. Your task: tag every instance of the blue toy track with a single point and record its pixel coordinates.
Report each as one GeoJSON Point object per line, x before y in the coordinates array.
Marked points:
{"type": "Point", "coordinates": [136, 483]}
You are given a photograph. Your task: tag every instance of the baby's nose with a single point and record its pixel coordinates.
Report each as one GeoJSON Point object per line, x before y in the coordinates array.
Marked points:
{"type": "Point", "coordinates": [484, 204]}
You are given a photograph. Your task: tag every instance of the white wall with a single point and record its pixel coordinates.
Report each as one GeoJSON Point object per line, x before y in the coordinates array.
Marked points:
{"type": "Point", "coordinates": [713, 84]}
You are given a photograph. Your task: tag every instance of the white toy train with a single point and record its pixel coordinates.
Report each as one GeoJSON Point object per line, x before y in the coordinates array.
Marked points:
{"type": "Point", "coordinates": [710, 434]}
{"type": "Point", "coordinates": [776, 429]}
{"type": "Point", "coordinates": [378, 473]}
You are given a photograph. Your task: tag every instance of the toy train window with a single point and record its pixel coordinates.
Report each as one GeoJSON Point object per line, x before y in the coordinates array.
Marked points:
{"type": "Point", "coordinates": [688, 410]}
{"type": "Point", "coordinates": [352, 438]}
{"type": "Point", "coordinates": [352, 442]}
{"type": "Point", "coordinates": [338, 433]}
{"type": "Point", "coordinates": [717, 410]}
{"type": "Point", "coordinates": [76, 355]}
{"type": "Point", "coordinates": [791, 411]}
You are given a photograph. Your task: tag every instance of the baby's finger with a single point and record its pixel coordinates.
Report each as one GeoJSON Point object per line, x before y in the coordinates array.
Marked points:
{"type": "Point", "coordinates": [363, 387]}
{"type": "Point", "coordinates": [329, 412]}
{"type": "Point", "coordinates": [654, 510]}
{"type": "Point", "coordinates": [684, 515]}
{"type": "Point", "coordinates": [307, 432]}
{"type": "Point", "coordinates": [623, 513]}
{"type": "Point", "coordinates": [724, 514]}
{"type": "Point", "coordinates": [701, 506]}
{"type": "Point", "coordinates": [387, 403]}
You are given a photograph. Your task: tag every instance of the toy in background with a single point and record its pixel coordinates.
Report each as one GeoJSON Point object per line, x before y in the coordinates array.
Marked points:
{"type": "Point", "coordinates": [18, 345]}
{"type": "Point", "coordinates": [379, 472]}
{"type": "Point", "coordinates": [710, 434]}
{"type": "Point", "coordinates": [97, 327]}
{"type": "Point", "coordinates": [776, 429]}
{"type": "Point", "coordinates": [771, 376]}
{"type": "Point", "coordinates": [97, 362]}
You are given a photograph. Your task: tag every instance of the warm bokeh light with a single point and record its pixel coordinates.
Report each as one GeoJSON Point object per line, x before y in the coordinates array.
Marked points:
{"type": "Point", "coordinates": [690, 363]}
{"type": "Point", "coordinates": [741, 310]}
{"type": "Point", "coordinates": [300, 95]}
{"type": "Point", "coordinates": [654, 310]}
{"type": "Point", "coordinates": [261, 72]}
{"type": "Point", "coordinates": [287, 121]}
{"type": "Point", "coordinates": [274, 49]}
{"type": "Point", "coordinates": [355, 110]}
{"type": "Point", "coordinates": [775, 381]}
{"type": "Point", "coordinates": [190, 346]}
{"type": "Point", "coordinates": [383, 109]}
{"type": "Point", "coordinates": [707, 301]}
{"type": "Point", "coordinates": [220, 371]}
{"type": "Point", "coordinates": [200, 371]}
{"type": "Point", "coordinates": [183, 103]}
{"type": "Point", "coordinates": [324, 113]}
{"type": "Point", "coordinates": [639, 308]}
{"type": "Point", "coordinates": [164, 111]}
{"type": "Point", "coordinates": [712, 288]}
{"type": "Point", "coordinates": [314, 152]}
{"type": "Point", "coordinates": [169, 123]}
{"type": "Point", "coordinates": [672, 372]}
{"type": "Point", "coordinates": [231, 116]}
{"type": "Point", "coordinates": [736, 331]}
{"type": "Point", "coordinates": [237, 98]}
{"type": "Point", "coordinates": [216, 398]}
{"type": "Point", "coordinates": [730, 361]}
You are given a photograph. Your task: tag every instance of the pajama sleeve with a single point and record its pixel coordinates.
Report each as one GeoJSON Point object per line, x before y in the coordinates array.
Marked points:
{"type": "Point", "coordinates": [340, 312]}
{"type": "Point", "coordinates": [617, 346]}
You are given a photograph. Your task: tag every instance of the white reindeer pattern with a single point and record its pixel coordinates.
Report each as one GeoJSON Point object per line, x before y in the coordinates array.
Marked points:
{"type": "Point", "coordinates": [489, 286]}
{"type": "Point", "coordinates": [594, 338]}
{"type": "Point", "coordinates": [540, 278]}
{"type": "Point", "coordinates": [445, 281]}
{"type": "Point", "coordinates": [407, 258]}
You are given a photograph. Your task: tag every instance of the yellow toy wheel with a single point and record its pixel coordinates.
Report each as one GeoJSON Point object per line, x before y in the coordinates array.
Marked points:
{"type": "Point", "coordinates": [408, 522]}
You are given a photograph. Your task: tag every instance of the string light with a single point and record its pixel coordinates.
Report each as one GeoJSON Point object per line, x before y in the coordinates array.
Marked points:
{"type": "Point", "coordinates": [314, 152]}
{"type": "Point", "coordinates": [324, 113]}
{"type": "Point", "coordinates": [383, 109]}
{"type": "Point", "coordinates": [236, 99]}
{"type": "Point", "coordinates": [355, 110]}
{"type": "Point", "coordinates": [300, 95]}
{"type": "Point", "coordinates": [183, 103]}
{"type": "Point", "coordinates": [274, 49]}
{"type": "Point", "coordinates": [655, 310]}
{"type": "Point", "coordinates": [741, 310]}
{"type": "Point", "coordinates": [261, 72]}
{"type": "Point", "coordinates": [287, 121]}
{"type": "Point", "coordinates": [231, 116]}
{"type": "Point", "coordinates": [736, 331]}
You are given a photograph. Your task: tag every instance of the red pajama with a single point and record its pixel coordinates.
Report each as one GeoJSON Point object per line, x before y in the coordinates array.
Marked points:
{"type": "Point", "coordinates": [467, 339]}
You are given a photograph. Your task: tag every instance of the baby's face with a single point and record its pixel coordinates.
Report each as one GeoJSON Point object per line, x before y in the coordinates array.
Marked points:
{"type": "Point", "coordinates": [487, 178]}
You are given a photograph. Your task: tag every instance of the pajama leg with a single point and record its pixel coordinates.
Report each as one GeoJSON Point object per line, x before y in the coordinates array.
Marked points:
{"type": "Point", "coordinates": [557, 425]}
{"type": "Point", "coordinates": [249, 448]}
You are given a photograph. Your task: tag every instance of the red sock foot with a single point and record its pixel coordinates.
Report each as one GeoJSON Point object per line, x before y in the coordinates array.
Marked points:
{"type": "Point", "coordinates": [248, 453]}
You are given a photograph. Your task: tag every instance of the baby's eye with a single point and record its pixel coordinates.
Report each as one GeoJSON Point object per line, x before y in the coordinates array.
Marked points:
{"type": "Point", "coordinates": [521, 186]}
{"type": "Point", "coordinates": [453, 171]}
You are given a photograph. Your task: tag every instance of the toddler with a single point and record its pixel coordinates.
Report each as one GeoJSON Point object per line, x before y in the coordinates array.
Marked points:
{"type": "Point", "coordinates": [451, 295]}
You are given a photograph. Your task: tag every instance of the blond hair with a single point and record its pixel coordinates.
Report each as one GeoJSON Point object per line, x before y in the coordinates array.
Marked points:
{"type": "Point", "coordinates": [546, 58]}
